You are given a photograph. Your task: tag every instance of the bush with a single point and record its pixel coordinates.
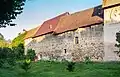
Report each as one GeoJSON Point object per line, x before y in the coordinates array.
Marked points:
{"type": "Point", "coordinates": [19, 52]}
{"type": "Point", "coordinates": [1, 62]}
{"type": "Point", "coordinates": [26, 65]}
{"type": "Point", "coordinates": [6, 57]}
{"type": "Point", "coordinates": [70, 66]}
{"type": "Point", "coordinates": [87, 60]}
{"type": "Point", "coordinates": [9, 56]}
{"type": "Point", "coordinates": [30, 54]}
{"type": "Point", "coordinates": [118, 43]}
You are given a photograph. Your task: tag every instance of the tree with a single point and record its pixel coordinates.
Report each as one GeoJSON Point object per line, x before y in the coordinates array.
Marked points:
{"type": "Point", "coordinates": [1, 37]}
{"type": "Point", "coordinates": [26, 65]}
{"type": "Point", "coordinates": [118, 43]}
{"type": "Point", "coordinates": [9, 10]}
{"type": "Point", "coordinates": [3, 42]}
{"type": "Point", "coordinates": [18, 40]}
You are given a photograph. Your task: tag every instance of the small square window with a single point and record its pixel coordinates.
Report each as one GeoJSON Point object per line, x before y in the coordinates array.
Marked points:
{"type": "Point", "coordinates": [76, 40]}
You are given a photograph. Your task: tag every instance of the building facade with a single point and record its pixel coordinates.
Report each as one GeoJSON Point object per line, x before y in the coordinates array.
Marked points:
{"type": "Point", "coordinates": [111, 27]}
{"type": "Point", "coordinates": [71, 37]}
{"type": "Point", "coordinates": [72, 45]}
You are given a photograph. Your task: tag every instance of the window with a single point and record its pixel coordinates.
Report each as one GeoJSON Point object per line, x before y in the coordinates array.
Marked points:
{"type": "Point", "coordinates": [65, 50]}
{"type": "Point", "coordinates": [76, 40]}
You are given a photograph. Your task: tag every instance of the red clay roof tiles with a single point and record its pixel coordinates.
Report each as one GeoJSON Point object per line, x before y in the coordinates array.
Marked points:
{"type": "Point", "coordinates": [80, 19]}
{"type": "Point", "coordinates": [66, 22]}
{"type": "Point", "coordinates": [49, 25]}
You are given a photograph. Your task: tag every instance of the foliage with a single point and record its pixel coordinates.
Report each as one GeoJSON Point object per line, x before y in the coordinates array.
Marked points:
{"type": "Point", "coordinates": [118, 43]}
{"type": "Point", "coordinates": [19, 52]}
{"type": "Point", "coordinates": [3, 43]}
{"type": "Point", "coordinates": [9, 56]}
{"type": "Point", "coordinates": [6, 57]}
{"type": "Point", "coordinates": [15, 42]}
{"type": "Point", "coordinates": [46, 69]}
{"type": "Point", "coordinates": [70, 66]}
{"type": "Point", "coordinates": [31, 54]}
{"type": "Point", "coordinates": [26, 65]}
{"type": "Point", "coordinates": [9, 10]}
{"type": "Point", "coordinates": [87, 60]}
{"type": "Point", "coordinates": [18, 40]}
{"type": "Point", "coordinates": [1, 37]}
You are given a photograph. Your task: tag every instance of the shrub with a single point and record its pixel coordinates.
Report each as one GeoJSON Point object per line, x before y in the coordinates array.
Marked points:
{"type": "Point", "coordinates": [70, 66]}
{"type": "Point", "coordinates": [87, 60]}
{"type": "Point", "coordinates": [31, 54]}
{"type": "Point", "coordinates": [118, 43]}
{"type": "Point", "coordinates": [1, 62]}
{"type": "Point", "coordinates": [19, 52]}
{"type": "Point", "coordinates": [9, 56]}
{"type": "Point", "coordinates": [26, 65]}
{"type": "Point", "coordinates": [6, 57]}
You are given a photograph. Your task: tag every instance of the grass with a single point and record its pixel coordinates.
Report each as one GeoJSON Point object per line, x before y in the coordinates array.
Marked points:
{"type": "Point", "coordinates": [57, 69]}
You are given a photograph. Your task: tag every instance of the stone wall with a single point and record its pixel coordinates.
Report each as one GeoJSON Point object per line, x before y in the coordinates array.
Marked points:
{"type": "Point", "coordinates": [72, 45]}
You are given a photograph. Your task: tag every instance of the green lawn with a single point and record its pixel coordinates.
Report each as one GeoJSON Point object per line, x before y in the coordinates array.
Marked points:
{"type": "Point", "coordinates": [56, 69]}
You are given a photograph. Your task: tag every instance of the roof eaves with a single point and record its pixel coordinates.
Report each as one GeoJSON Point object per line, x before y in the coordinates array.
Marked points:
{"type": "Point", "coordinates": [54, 32]}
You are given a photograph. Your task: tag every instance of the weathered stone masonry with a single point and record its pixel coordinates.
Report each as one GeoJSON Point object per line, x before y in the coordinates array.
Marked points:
{"type": "Point", "coordinates": [73, 45]}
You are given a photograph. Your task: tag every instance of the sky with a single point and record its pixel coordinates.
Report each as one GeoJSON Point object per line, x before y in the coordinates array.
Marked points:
{"type": "Point", "coordinates": [37, 11]}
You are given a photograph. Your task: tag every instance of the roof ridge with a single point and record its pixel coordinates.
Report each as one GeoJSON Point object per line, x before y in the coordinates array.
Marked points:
{"type": "Point", "coordinates": [57, 16]}
{"type": "Point", "coordinates": [92, 15]}
{"type": "Point", "coordinates": [45, 23]}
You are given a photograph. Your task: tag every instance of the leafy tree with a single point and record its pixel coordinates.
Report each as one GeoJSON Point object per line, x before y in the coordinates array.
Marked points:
{"type": "Point", "coordinates": [9, 10]}
{"type": "Point", "coordinates": [18, 40]}
{"type": "Point", "coordinates": [1, 37]}
{"type": "Point", "coordinates": [26, 65]}
{"type": "Point", "coordinates": [3, 43]}
{"type": "Point", "coordinates": [118, 43]}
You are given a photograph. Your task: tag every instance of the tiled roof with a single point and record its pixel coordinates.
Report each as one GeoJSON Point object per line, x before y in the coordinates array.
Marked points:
{"type": "Point", "coordinates": [31, 33]}
{"type": "Point", "coordinates": [49, 25]}
{"type": "Point", "coordinates": [107, 3]}
{"type": "Point", "coordinates": [80, 19]}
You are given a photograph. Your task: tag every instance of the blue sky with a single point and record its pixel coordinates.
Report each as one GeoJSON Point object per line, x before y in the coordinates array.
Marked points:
{"type": "Point", "coordinates": [37, 11]}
